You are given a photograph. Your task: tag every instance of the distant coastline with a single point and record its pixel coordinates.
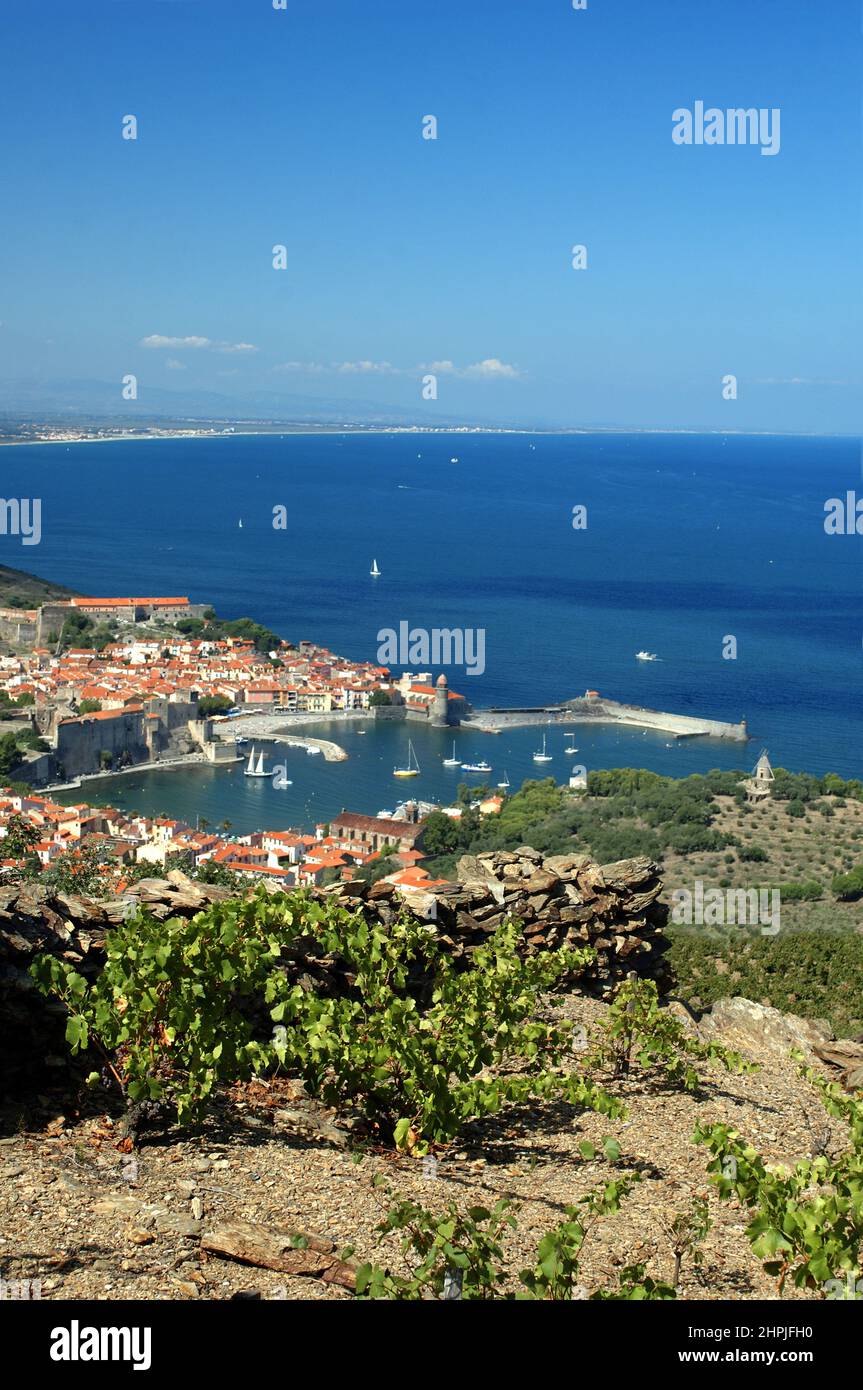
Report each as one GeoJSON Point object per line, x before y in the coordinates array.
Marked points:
{"type": "Point", "coordinates": [356, 429]}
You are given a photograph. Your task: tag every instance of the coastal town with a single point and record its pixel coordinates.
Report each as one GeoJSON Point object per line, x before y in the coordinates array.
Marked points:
{"type": "Point", "coordinates": [101, 843]}
{"type": "Point", "coordinates": [152, 658]}
{"type": "Point", "coordinates": [151, 682]}
{"type": "Point", "coordinates": [93, 686]}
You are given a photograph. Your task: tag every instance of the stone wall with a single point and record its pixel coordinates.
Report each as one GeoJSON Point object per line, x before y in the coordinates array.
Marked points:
{"type": "Point", "coordinates": [16, 627]}
{"type": "Point", "coordinates": [131, 733]}
{"type": "Point", "coordinates": [80, 741]}
{"type": "Point", "coordinates": [562, 900]}
{"type": "Point", "coordinates": [566, 899]}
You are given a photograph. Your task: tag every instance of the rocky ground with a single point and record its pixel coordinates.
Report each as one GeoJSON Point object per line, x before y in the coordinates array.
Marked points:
{"type": "Point", "coordinates": [89, 1220]}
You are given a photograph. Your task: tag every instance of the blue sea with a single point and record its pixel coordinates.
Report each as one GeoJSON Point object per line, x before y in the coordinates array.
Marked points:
{"type": "Point", "coordinates": [689, 540]}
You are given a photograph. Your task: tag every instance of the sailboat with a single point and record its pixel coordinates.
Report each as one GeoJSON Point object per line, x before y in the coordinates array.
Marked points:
{"type": "Point", "coordinates": [570, 748]}
{"type": "Point", "coordinates": [256, 769]}
{"type": "Point", "coordinates": [451, 761]}
{"type": "Point", "coordinates": [240, 523]}
{"type": "Point", "coordinates": [413, 767]}
{"type": "Point", "coordinates": [504, 785]}
{"type": "Point", "coordinates": [542, 757]}
{"type": "Point", "coordinates": [374, 571]}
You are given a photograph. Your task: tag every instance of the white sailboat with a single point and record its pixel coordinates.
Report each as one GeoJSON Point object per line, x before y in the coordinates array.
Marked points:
{"type": "Point", "coordinates": [504, 785]}
{"type": "Point", "coordinates": [542, 757]}
{"type": "Point", "coordinates": [413, 767]}
{"type": "Point", "coordinates": [452, 760]}
{"type": "Point", "coordinates": [256, 768]}
{"type": "Point", "coordinates": [374, 571]}
{"type": "Point", "coordinates": [240, 523]}
{"type": "Point", "coordinates": [570, 748]}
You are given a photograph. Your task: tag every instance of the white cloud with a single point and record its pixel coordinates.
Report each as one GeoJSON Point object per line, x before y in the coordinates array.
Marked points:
{"type": "Point", "coordinates": [310, 367]}
{"type": "Point", "coordinates": [341, 368]}
{"type": "Point", "coordinates": [439, 368]}
{"type": "Point", "coordinates": [799, 381]}
{"type": "Point", "coordinates": [492, 367]}
{"type": "Point", "coordinates": [365, 368]}
{"type": "Point", "coordinates": [160, 340]}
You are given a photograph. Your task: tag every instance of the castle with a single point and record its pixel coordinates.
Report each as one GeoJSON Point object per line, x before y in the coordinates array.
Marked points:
{"type": "Point", "coordinates": [436, 703]}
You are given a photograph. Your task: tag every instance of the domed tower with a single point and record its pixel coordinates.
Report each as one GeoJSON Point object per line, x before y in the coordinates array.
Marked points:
{"type": "Point", "coordinates": [440, 702]}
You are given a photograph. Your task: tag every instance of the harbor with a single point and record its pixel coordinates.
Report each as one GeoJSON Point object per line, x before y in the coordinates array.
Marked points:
{"type": "Point", "coordinates": [313, 789]}
{"type": "Point", "coordinates": [277, 728]}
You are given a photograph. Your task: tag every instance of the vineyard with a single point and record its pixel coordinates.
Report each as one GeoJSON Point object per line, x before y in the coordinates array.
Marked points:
{"type": "Point", "coordinates": [288, 1095]}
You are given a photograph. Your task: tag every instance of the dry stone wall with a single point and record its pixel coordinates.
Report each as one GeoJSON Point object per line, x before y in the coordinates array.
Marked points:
{"type": "Point", "coordinates": [562, 900]}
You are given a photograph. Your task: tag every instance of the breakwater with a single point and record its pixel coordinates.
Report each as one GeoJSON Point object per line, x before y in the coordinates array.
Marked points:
{"type": "Point", "coordinates": [276, 728]}
{"type": "Point", "coordinates": [597, 710]}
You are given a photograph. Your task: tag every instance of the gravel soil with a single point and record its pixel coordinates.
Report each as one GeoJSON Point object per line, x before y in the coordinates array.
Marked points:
{"type": "Point", "coordinates": [88, 1220]}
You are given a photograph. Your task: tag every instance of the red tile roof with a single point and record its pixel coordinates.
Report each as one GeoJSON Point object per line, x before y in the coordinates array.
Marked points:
{"type": "Point", "coordinates": [127, 602]}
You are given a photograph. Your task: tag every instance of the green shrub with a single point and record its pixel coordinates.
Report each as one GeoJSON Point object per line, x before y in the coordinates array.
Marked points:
{"type": "Point", "coordinates": [408, 1042]}
{"type": "Point", "coordinates": [638, 1029]}
{"type": "Point", "coordinates": [808, 892]}
{"type": "Point", "coordinates": [167, 1011]}
{"type": "Point", "coordinates": [817, 973]}
{"type": "Point", "coordinates": [460, 1254]}
{"type": "Point", "coordinates": [806, 1221]}
{"type": "Point", "coordinates": [848, 886]}
{"type": "Point", "coordinates": [416, 1072]}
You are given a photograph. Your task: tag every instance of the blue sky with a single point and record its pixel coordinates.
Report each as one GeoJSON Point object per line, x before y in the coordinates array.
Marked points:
{"type": "Point", "coordinates": [303, 127]}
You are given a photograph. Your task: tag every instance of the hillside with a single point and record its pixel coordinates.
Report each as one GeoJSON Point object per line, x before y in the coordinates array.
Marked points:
{"type": "Point", "coordinates": [21, 590]}
{"type": "Point", "coordinates": [699, 830]}
{"type": "Point", "coordinates": [82, 1217]}
{"type": "Point", "coordinates": [290, 1183]}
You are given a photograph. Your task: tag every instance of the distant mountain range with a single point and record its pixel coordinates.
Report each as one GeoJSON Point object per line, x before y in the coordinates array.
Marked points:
{"type": "Point", "coordinates": [85, 399]}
